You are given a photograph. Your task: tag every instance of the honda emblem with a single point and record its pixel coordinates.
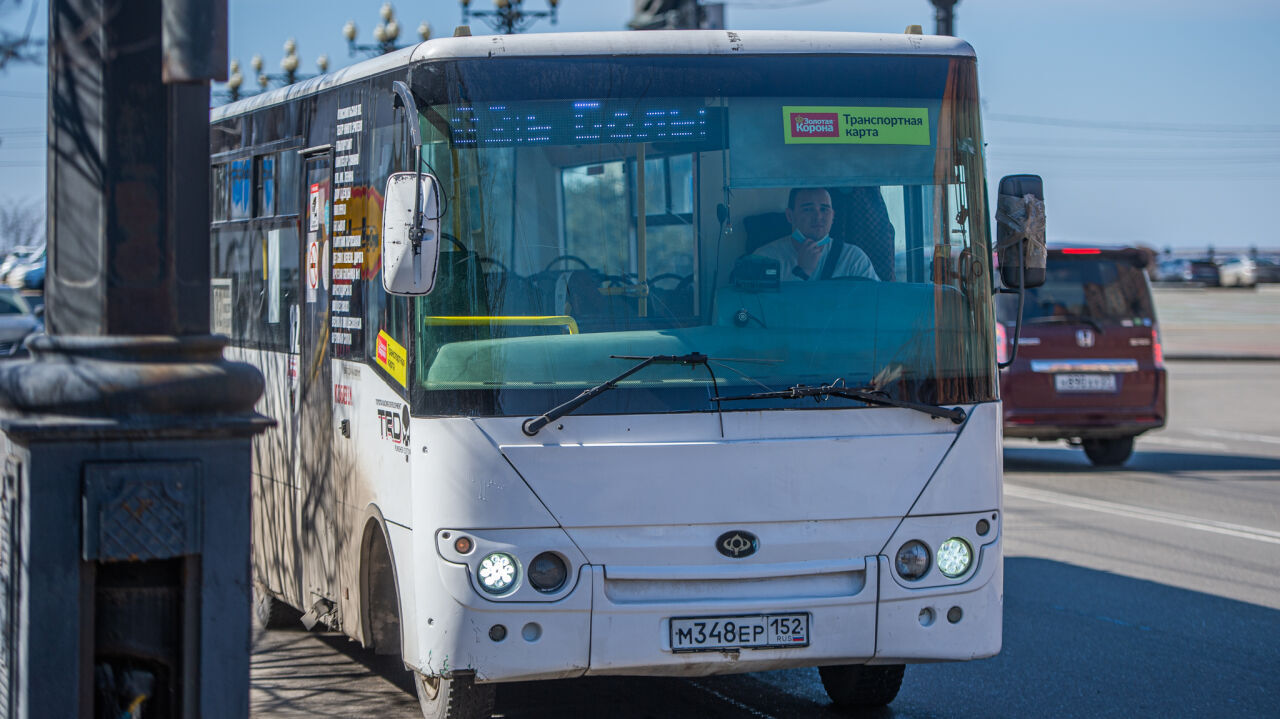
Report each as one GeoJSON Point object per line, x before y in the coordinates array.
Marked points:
{"type": "Point", "coordinates": [1084, 338]}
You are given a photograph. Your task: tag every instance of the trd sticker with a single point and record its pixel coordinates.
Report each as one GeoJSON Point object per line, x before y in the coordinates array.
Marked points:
{"type": "Point", "coordinates": [393, 424]}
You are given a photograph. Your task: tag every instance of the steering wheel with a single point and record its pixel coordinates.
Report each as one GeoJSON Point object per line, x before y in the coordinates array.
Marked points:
{"type": "Point", "coordinates": [616, 280]}
{"type": "Point", "coordinates": [496, 263]}
{"type": "Point", "coordinates": [570, 258]}
{"type": "Point", "coordinates": [456, 242]}
{"type": "Point", "coordinates": [680, 279]}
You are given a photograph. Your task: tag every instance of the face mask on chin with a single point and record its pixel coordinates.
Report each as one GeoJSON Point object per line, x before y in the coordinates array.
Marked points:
{"type": "Point", "coordinates": [798, 236]}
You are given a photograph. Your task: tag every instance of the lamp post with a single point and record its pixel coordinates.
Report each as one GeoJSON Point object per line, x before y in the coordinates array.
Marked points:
{"type": "Point", "coordinates": [944, 16]}
{"type": "Point", "coordinates": [234, 81]}
{"type": "Point", "coordinates": [289, 64]}
{"type": "Point", "coordinates": [509, 16]}
{"type": "Point", "coordinates": [385, 34]}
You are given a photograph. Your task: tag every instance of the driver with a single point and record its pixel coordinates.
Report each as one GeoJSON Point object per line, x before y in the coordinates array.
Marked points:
{"type": "Point", "coordinates": [809, 253]}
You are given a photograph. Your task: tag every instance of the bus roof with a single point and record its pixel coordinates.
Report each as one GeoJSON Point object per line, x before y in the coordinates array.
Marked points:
{"type": "Point", "coordinates": [652, 42]}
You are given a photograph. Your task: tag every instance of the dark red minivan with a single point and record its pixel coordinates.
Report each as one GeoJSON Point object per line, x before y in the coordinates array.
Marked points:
{"type": "Point", "coordinates": [1089, 367]}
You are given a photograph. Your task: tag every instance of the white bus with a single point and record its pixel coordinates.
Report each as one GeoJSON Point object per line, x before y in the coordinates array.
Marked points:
{"type": "Point", "coordinates": [594, 428]}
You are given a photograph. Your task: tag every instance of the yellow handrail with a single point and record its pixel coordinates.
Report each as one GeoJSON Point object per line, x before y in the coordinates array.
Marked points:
{"type": "Point", "coordinates": [518, 320]}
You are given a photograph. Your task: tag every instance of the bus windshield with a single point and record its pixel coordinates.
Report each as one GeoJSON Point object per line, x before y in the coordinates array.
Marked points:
{"type": "Point", "coordinates": [598, 209]}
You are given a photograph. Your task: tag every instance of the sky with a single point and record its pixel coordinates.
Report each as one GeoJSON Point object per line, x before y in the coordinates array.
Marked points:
{"type": "Point", "coordinates": [1152, 122]}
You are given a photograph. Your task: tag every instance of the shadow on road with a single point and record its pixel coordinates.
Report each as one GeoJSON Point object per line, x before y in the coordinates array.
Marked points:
{"type": "Point", "coordinates": [298, 674]}
{"type": "Point", "coordinates": [1077, 643]}
{"type": "Point", "coordinates": [1085, 643]}
{"type": "Point", "coordinates": [1069, 459]}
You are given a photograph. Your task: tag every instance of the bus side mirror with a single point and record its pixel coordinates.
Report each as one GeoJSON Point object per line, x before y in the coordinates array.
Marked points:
{"type": "Point", "coordinates": [1020, 236]}
{"type": "Point", "coordinates": [410, 248]}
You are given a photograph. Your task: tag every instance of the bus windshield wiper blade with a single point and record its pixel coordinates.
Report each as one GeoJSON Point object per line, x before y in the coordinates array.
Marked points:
{"type": "Point", "coordinates": [531, 426]}
{"type": "Point", "coordinates": [869, 396]}
{"type": "Point", "coordinates": [1062, 319]}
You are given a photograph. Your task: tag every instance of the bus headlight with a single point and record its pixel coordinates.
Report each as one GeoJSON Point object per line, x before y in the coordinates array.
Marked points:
{"type": "Point", "coordinates": [498, 572]}
{"type": "Point", "coordinates": [912, 561]}
{"type": "Point", "coordinates": [547, 572]}
{"type": "Point", "coordinates": [954, 557]}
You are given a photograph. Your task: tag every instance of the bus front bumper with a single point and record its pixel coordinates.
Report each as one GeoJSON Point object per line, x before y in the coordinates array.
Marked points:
{"type": "Point", "coordinates": [602, 629]}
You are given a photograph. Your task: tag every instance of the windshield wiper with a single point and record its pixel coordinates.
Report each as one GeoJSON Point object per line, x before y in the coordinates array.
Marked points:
{"type": "Point", "coordinates": [869, 396]}
{"type": "Point", "coordinates": [1061, 319]}
{"type": "Point", "coordinates": [531, 426]}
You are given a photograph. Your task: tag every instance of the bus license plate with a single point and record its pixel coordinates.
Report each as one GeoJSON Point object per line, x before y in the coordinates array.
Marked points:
{"type": "Point", "coordinates": [752, 631]}
{"type": "Point", "coordinates": [1084, 382]}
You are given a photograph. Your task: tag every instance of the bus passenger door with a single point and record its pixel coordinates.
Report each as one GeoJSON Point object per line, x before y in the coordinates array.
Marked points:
{"type": "Point", "coordinates": [317, 501]}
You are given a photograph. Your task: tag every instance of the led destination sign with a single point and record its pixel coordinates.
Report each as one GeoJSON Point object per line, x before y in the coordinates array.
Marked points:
{"type": "Point", "coordinates": [583, 122]}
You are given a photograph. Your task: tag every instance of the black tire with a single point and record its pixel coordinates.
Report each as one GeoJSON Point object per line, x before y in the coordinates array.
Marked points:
{"type": "Point", "coordinates": [1110, 452]}
{"type": "Point", "coordinates": [456, 698]}
{"type": "Point", "coordinates": [271, 613]}
{"type": "Point", "coordinates": [858, 686]}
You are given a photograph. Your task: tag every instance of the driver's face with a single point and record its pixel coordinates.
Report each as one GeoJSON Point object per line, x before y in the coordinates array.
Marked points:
{"type": "Point", "coordinates": [812, 214]}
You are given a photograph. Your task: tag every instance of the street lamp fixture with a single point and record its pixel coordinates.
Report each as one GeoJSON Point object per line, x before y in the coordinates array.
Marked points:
{"type": "Point", "coordinates": [288, 64]}
{"type": "Point", "coordinates": [234, 81]}
{"type": "Point", "coordinates": [384, 35]}
{"type": "Point", "coordinates": [508, 16]}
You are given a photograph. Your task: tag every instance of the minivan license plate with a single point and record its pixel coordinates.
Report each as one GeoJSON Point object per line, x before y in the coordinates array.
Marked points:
{"type": "Point", "coordinates": [1084, 382]}
{"type": "Point", "coordinates": [752, 631]}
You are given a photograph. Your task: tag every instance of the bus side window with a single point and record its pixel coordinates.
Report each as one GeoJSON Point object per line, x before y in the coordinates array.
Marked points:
{"type": "Point", "coordinates": [390, 153]}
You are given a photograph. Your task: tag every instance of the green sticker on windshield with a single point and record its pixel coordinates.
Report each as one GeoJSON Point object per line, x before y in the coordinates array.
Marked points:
{"type": "Point", "coordinates": [856, 125]}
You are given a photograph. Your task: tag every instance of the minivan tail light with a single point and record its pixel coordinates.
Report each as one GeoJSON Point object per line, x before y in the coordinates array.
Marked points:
{"type": "Point", "coordinates": [1002, 343]}
{"type": "Point", "coordinates": [1157, 348]}
{"type": "Point", "coordinates": [1081, 251]}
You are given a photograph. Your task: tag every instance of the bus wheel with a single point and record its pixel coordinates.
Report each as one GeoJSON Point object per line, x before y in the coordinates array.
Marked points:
{"type": "Point", "coordinates": [271, 613]}
{"type": "Point", "coordinates": [858, 686]}
{"type": "Point", "coordinates": [1109, 452]}
{"type": "Point", "coordinates": [455, 698]}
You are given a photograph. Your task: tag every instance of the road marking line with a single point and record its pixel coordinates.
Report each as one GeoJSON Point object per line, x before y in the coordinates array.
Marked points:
{"type": "Point", "coordinates": [731, 700]}
{"type": "Point", "coordinates": [1188, 443]}
{"type": "Point", "coordinates": [1245, 436]}
{"type": "Point", "coordinates": [1150, 515]}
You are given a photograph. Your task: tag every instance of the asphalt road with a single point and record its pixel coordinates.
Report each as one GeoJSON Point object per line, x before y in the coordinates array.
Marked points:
{"type": "Point", "coordinates": [1148, 591]}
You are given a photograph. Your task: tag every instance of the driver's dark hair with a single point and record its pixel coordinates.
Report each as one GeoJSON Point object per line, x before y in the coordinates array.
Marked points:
{"type": "Point", "coordinates": [791, 199]}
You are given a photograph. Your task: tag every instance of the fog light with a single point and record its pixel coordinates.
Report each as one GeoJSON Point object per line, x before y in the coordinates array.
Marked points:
{"type": "Point", "coordinates": [547, 572]}
{"type": "Point", "coordinates": [912, 561]}
{"type": "Point", "coordinates": [463, 545]}
{"type": "Point", "coordinates": [954, 557]}
{"type": "Point", "coordinates": [498, 572]}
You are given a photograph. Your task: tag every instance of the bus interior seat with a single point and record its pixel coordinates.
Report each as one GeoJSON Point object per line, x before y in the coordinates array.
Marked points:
{"type": "Point", "coordinates": [671, 295]}
{"type": "Point", "coordinates": [764, 228]}
{"type": "Point", "coordinates": [862, 220]}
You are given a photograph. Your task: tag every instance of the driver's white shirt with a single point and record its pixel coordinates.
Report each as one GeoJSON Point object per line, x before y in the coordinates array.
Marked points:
{"type": "Point", "coordinates": [853, 262]}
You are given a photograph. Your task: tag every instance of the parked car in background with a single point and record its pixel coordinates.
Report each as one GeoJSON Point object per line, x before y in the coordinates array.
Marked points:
{"type": "Point", "coordinates": [1089, 367]}
{"type": "Point", "coordinates": [1174, 270]}
{"type": "Point", "coordinates": [18, 256]}
{"type": "Point", "coordinates": [33, 279]}
{"type": "Point", "coordinates": [32, 267]}
{"type": "Point", "coordinates": [1205, 271]}
{"type": "Point", "coordinates": [1267, 269]}
{"type": "Point", "coordinates": [17, 322]}
{"type": "Point", "coordinates": [1237, 271]}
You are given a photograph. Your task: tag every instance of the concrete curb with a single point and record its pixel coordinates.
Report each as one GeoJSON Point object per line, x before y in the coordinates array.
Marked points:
{"type": "Point", "coordinates": [1222, 357]}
